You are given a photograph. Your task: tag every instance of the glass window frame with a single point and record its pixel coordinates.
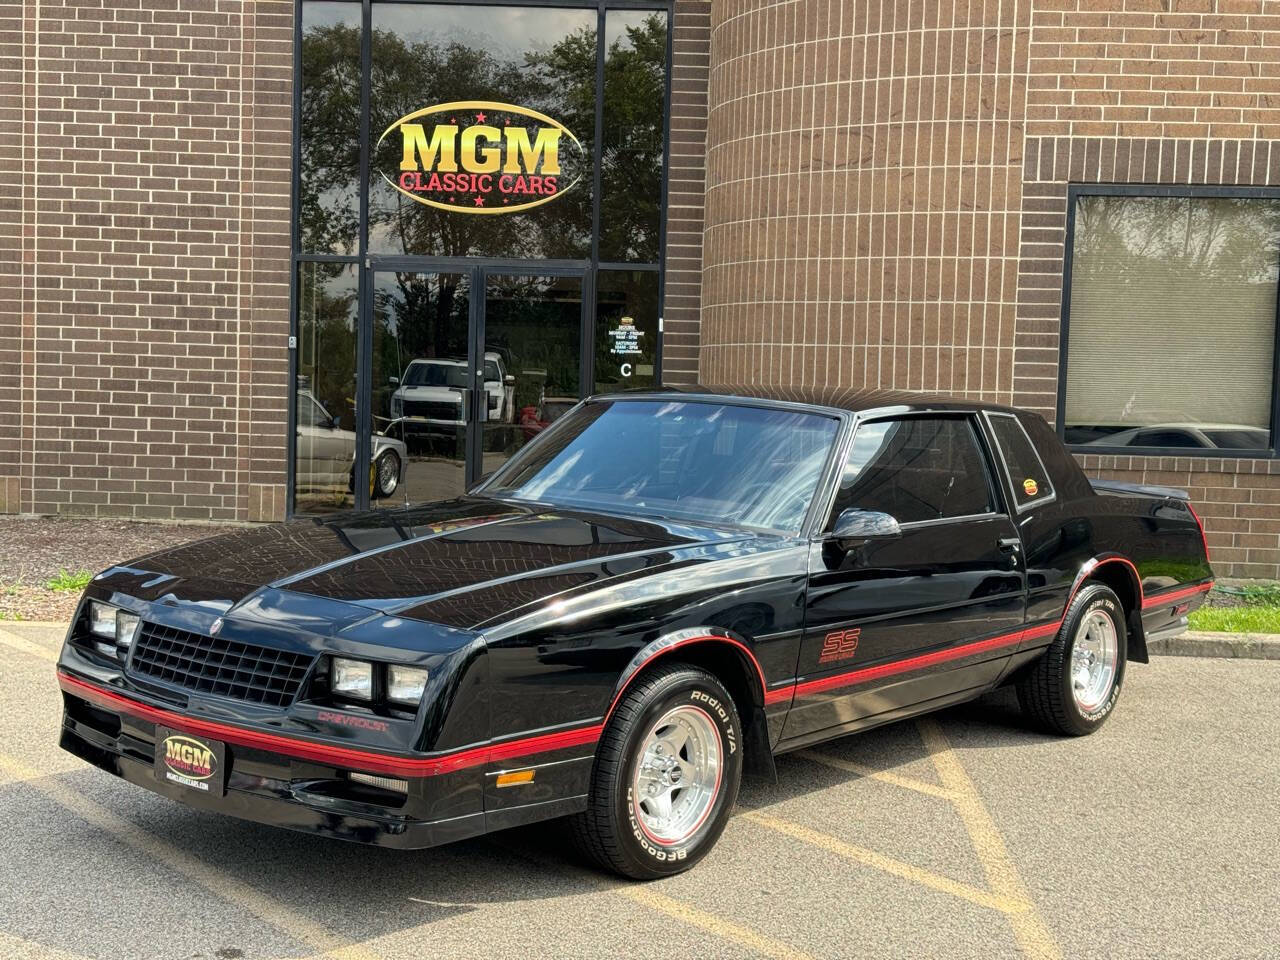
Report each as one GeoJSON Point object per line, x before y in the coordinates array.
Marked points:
{"type": "Point", "coordinates": [990, 416]}
{"type": "Point", "coordinates": [986, 454]}
{"type": "Point", "coordinates": [365, 263]}
{"type": "Point", "coordinates": [1191, 191]}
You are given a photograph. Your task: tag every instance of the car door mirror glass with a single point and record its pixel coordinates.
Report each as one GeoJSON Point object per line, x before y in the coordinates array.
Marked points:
{"type": "Point", "coordinates": [855, 524]}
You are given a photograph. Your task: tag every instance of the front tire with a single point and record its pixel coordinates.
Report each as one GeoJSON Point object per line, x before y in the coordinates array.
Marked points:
{"type": "Point", "coordinates": [666, 775]}
{"type": "Point", "coordinates": [1075, 685]}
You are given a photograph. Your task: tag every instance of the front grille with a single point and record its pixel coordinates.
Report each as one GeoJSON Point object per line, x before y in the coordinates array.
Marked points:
{"type": "Point", "coordinates": [433, 410]}
{"type": "Point", "coordinates": [226, 668]}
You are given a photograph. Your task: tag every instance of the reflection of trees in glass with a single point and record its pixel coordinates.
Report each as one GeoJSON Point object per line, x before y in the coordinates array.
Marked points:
{"type": "Point", "coordinates": [329, 168]}
{"type": "Point", "coordinates": [415, 315]}
{"type": "Point", "coordinates": [634, 92]}
{"type": "Point", "coordinates": [1189, 239]}
{"type": "Point", "coordinates": [1186, 282]}
{"type": "Point", "coordinates": [326, 336]}
{"type": "Point", "coordinates": [410, 75]}
{"type": "Point", "coordinates": [635, 72]}
{"type": "Point", "coordinates": [535, 324]}
{"type": "Point", "coordinates": [557, 76]}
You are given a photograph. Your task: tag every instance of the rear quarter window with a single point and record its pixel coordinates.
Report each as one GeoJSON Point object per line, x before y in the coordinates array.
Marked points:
{"type": "Point", "coordinates": [1027, 474]}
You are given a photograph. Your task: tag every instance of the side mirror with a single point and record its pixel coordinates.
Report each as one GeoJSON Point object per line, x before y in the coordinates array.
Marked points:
{"type": "Point", "coordinates": [854, 524]}
{"type": "Point", "coordinates": [335, 423]}
{"type": "Point", "coordinates": [509, 380]}
{"type": "Point", "coordinates": [394, 381]}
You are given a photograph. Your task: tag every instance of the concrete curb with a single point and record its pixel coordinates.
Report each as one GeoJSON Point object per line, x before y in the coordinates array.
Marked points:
{"type": "Point", "coordinates": [1245, 646]}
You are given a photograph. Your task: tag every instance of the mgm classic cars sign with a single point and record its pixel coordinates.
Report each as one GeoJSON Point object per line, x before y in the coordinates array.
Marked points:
{"type": "Point", "coordinates": [478, 156]}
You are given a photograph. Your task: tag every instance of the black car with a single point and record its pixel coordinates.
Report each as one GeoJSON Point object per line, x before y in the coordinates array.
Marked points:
{"type": "Point", "coordinates": [659, 592]}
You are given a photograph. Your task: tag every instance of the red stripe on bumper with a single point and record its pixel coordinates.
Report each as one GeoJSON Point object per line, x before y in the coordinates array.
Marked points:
{"type": "Point", "coordinates": [344, 757]}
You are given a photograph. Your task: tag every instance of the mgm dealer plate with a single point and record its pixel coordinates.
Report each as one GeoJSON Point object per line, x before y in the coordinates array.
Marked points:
{"type": "Point", "coordinates": [195, 762]}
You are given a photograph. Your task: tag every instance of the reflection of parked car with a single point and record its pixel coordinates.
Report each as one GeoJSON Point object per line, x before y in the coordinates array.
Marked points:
{"type": "Point", "coordinates": [1226, 436]}
{"type": "Point", "coordinates": [533, 420]}
{"type": "Point", "coordinates": [432, 391]}
{"type": "Point", "coordinates": [327, 453]}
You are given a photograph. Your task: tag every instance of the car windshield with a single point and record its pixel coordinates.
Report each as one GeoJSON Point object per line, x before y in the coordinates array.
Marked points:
{"type": "Point", "coordinates": [718, 463]}
{"type": "Point", "coordinates": [436, 374]}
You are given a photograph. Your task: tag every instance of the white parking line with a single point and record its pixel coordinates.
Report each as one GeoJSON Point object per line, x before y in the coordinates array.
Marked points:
{"type": "Point", "coordinates": [1028, 929]}
{"type": "Point", "coordinates": [884, 776]}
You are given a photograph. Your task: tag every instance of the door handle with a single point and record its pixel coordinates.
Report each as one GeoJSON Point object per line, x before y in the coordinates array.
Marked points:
{"type": "Point", "coordinates": [1010, 546]}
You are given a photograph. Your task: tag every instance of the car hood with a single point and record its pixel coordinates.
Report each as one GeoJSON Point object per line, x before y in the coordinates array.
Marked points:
{"type": "Point", "coordinates": [460, 563]}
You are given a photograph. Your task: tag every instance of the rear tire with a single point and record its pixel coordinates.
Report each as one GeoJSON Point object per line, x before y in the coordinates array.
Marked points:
{"type": "Point", "coordinates": [1075, 685]}
{"type": "Point", "coordinates": [666, 775]}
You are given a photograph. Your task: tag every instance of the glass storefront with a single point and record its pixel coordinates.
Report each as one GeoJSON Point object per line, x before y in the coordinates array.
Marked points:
{"type": "Point", "coordinates": [480, 196]}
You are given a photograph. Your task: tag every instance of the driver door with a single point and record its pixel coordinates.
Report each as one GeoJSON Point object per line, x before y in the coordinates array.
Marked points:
{"type": "Point", "coordinates": [929, 615]}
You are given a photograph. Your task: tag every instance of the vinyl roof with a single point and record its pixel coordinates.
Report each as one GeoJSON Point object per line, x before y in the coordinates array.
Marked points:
{"type": "Point", "coordinates": [835, 398]}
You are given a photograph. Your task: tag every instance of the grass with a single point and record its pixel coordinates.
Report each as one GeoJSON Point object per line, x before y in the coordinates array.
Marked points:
{"type": "Point", "coordinates": [68, 581]}
{"type": "Point", "coordinates": [11, 615]}
{"type": "Point", "coordinates": [1254, 619]}
{"type": "Point", "coordinates": [1248, 608]}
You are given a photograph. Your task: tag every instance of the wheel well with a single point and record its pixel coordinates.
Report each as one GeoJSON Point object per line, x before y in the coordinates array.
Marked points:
{"type": "Point", "coordinates": [731, 667]}
{"type": "Point", "coordinates": [1123, 582]}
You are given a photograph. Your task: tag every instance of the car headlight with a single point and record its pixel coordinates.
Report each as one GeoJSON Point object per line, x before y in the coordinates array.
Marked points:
{"type": "Point", "coordinates": [126, 628]}
{"type": "Point", "coordinates": [102, 619]}
{"type": "Point", "coordinates": [112, 624]}
{"type": "Point", "coordinates": [405, 685]}
{"type": "Point", "coordinates": [352, 678]}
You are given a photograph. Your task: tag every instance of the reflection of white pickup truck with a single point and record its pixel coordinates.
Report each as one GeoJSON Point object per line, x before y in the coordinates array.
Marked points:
{"type": "Point", "coordinates": [432, 391]}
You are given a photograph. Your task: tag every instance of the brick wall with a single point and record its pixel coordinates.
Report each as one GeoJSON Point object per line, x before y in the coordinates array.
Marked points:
{"type": "Point", "coordinates": [146, 230]}
{"type": "Point", "coordinates": [691, 54]}
{"type": "Point", "coordinates": [864, 174]}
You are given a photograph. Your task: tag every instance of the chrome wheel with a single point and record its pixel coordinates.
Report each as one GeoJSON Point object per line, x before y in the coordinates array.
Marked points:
{"type": "Point", "coordinates": [678, 777]}
{"type": "Point", "coordinates": [388, 474]}
{"type": "Point", "coordinates": [1094, 654]}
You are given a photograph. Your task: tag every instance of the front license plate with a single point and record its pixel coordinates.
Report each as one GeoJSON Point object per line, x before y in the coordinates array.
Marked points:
{"type": "Point", "coordinates": [194, 762]}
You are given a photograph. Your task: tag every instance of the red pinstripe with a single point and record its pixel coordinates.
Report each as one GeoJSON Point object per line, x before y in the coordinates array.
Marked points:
{"type": "Point", "coordinates": [344, 757]}
{"type": "Point", "coordinates": [1160, 599]}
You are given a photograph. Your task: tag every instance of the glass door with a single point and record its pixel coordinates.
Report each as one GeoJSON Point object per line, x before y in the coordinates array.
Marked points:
{"type": "Point", "coordinates": [422, 388]}
{"type": "Point", "coordinates": [532, 331]}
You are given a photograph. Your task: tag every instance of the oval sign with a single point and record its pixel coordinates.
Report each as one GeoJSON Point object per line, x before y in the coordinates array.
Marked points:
{"type": "Point", "coordinates": [189, 758]}
{"type": "Point", "coordinates": [481, 156]}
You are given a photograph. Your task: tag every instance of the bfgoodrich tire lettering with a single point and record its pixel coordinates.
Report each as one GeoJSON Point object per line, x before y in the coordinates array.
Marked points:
{"type": "Point", "coordinates": [1073, 688]}
{"type": "Point", "coordinates": [672, 703]}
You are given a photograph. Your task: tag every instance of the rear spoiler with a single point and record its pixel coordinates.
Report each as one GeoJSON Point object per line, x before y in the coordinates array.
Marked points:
{"type": "Point", "coordinates": [1138, 490]}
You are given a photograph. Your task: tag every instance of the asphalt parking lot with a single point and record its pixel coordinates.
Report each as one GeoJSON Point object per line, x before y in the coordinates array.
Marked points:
{"type": "Point", "coordinates": [961, 835]}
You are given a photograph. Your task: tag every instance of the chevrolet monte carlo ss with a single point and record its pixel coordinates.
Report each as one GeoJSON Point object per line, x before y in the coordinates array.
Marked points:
{"type": "Point", "coordinates": [660, 592]}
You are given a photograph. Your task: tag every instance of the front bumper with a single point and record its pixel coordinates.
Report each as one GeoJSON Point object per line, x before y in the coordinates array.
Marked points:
{"type": "Point", "coordinates": [272, 787]}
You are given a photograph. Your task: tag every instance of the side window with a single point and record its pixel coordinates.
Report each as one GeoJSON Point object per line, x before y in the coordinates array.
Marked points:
{"type": "Point", "coordinates": [1027, 473]}
{"type": "Point", "coordinates": [916, 468]}
{"type": "Point", "coordinates": [310, 413]}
